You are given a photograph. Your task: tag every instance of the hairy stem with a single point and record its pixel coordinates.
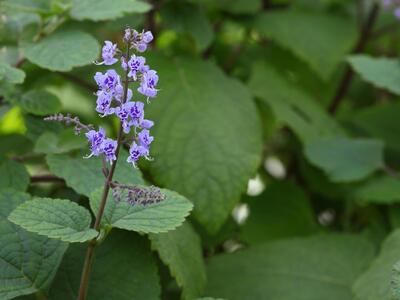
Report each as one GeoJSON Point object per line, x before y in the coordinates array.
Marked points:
{"type": "Point", "coordinates": [107, 183]}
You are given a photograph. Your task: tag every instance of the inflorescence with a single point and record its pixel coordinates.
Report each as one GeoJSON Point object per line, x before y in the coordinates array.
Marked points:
{"type": "Point", "coordinates": [137, 195]}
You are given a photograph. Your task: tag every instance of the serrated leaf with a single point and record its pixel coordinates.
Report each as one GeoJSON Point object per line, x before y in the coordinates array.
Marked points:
{"type": "Point", "coordinates": [28, 262]}
{"type": "Point", "coordinates": [381, 72]}
{"type": "Point", "coordinates": [39, 102]}
{"type": "Point", "coordinates": [84, 175]}
{"type": "Point", "coordinates": [63, 50]}
{"type": "Point", "coordinates": [99, 10]}
{"type": "Point", "coordinates": [159, 217]}
{"type": "Point", "coordinates": [13, 175]}
{"type": "Point", "coordinates": [345, 159]}
{"type": "Point", "coordinates": [291, 105]}
{"type": "Point", "coordinates": [319, 39]}
{"type": "Point", "coordinates": [200, 114]}
{"type": "Point", "coordinates": [123, 269]}
{"type": "Point", "coordinates": [380, 190]}
{"type": "Point", "coordinates": [181, 251]}
{"type": "Point", "coordinates": [374, 284]}
{"type": "Point", "coordinates": [11, 74]}
{"type": "Point", "coordinates": [55, 218]}
{"type": "Point", "coordinates": [281, 211]}
{"type": "Point", "coordinates": [65, 141]}
{"type": "Point", "coordinates": [314, 268]}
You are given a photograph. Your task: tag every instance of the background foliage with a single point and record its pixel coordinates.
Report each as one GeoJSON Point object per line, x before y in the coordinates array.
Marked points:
{"type": "Point", "coordinates": [276, 119]}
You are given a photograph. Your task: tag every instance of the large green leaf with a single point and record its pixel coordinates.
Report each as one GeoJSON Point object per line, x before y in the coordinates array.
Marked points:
{"type": "Point", "coordinates": [207, 137]}
{"type": "Point", "coordinates": [39, 102]}
{"type": "Point", "coordinates": [319, 39]}
{"type": "Point", "coordinates": [65, 141]}
{"type": "Point", "coordinates": [345, 159]}
{"type": "Point", "coordinates": [13, 175]}
{"type": "Point", "coordinates": [84, 174]}
{"type": "Point", "coordinates": [291, 105]}
{"type": "Point", "coordinates": [28, 262]}
{"type": "Point", "coordinates": [63, 50]}
{"type": "Point", "coordinates": [123, 269]}
{"type": "Point", "coordinates": [381, 190]}
{"type": "Point", "coordinates": [374, 284]}
{"type": "Point", "coordinates": [381, 72]}
{"type": "Point", "coordinates": [55, 218]}
{"type": "Point", "coordinates": [282, 210]}
{"type": "Point", "coordinates": [99, 10]}
{"type": "Point", "coordinates": [158, 217]}
{"type": "Point", "coordinates": [181, 251]}
{"type": "Point", "coordinates": [314, 268]}
{"type": "Point", "coordinates": [11, 74]}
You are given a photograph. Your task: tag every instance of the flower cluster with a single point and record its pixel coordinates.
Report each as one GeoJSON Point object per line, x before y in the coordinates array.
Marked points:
{"type": "Point", "coordinates": [114, 97]}
{"type": "Point", "coordinates": [393, 4]}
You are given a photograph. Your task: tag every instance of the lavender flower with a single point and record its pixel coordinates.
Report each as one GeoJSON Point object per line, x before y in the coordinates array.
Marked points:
{"type": "Point", "coordinates": [123, 113]}
{"type": "Point", "coordinates": [136, 64]}
{"type": "Point", "coordinates": [145, 139]}
{"type": "Point", "coordinates": [146, 124]}
{"type": "Point", "coordinates": [96, 139]}
{"type": "Point", "coordinates": [107, 81]}
{"type": "Point", "coordinates": [136, 112]}
{"type": "Point", "coordinates": [108, 148]}
{"type": "Point", "coordinates": [148, 84]}
{"type": "Point", "coordinates": [103, 103]}
{"type": "Point", "coordinates": [135, 152]}
{"type": "Point", "coordinates": [108, 52]}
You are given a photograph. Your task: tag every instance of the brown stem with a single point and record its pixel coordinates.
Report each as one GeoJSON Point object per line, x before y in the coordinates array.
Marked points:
{"type": "Point", "coordinates": [92, 244]}
{"type": "Point", "coordinates": [348, 73]}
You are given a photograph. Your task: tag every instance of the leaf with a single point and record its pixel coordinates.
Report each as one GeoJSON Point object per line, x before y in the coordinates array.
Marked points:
{"type": "Point", "coordinates": [11, 74]}
{"type": "Point", "coordinates": [241, 7]}
{"type": "Point", "coordinates": [13, 175]}
{"type": "Point", "coordinates": [159, 217]}
{"type": "Point", "coordinates": [207, 138]}
{"type": "Point", "coordinates": [28, 262]}
{"type": "Point", "coordinates": [395, 282]}
{"type": "Point", "coordinates": [291, 106]}
{"type": "Point", "coordinates": [374, 284]}
{"type": "Point", "coordinates": [99, 10]}
{"type": "Point", "coordinates": [321, 40]}
{"type": "Point", "coordinates": [63, 50]}
{"type": "Point", "coordinates": [65, 141]}
{"type": "Point", "coordinates": [381, 72]}
{"type": "Point", "coordinates": [380, 190]}
{"type": "Point", "coordinates": [190, 19]}
{"type": "Point", "coordinates": [83, 175]}
{"type": "Point", "coordinates": [55, 218]}
{"type": "Point", "coordinates": [282, 210]}
{"type": "Point", "coordinates": [39, 102]}
{"type": "Point", "coordinates": [123, 269]}
{"type": "Point", "coordinates": [345, 159]}
{"type": "Point", "coordinates": [181, 251]}
{"type": "Point", "coordinates": [313, 268]}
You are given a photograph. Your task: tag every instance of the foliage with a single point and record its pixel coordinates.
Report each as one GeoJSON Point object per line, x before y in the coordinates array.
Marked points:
{"type": "Point", "coordinates": [273, 173]}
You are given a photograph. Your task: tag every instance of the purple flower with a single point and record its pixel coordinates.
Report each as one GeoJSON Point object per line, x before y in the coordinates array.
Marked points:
{"type": "Point", "coordinates": [397, 13]}
{"type": "Point", "coordinates": [137, 113]}
{"type": "Point", "coordinates": [145, 139]}
{"type": "Point", "coordinates": [123, 113]}
{"type": "Point", "coordinates": [119, 94]}
{"type": "Point", "coordinates": [96, 139]}
{"type": "Point", "coordinates": [108, 147]}
{"type": "Point", "coordinates": [103, 103]}
{"type": "Point", "coordinates": [127, 35]}
{"type": "Point", "coordinates": [136, 64]}
{"type": "Point", "coordinates": [107, 81]}
{"type": "Point", "coordinates": [148, 84]}
{"type": "Point", "coordinates": [147, 37]}
{"type": "Point", "coordinates": [135, 152]}
{"type": "Point", "coordinates": [146, 124]}
{"type": "Point", "coordinates": [108, 52]}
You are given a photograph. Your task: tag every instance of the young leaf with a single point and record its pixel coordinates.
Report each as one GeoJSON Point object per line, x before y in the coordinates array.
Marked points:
{"type": "Point", "coordinates": [11, 74]}
{"type": "Point", "coordinates": [123, 269]}
{"type": "Point", "coordinates": [28, 262]}
{"type": "Point", "coordinates": [13, 175]}
{"type": "Point", "coordinates": [345, 159]}
{"type": "Point", "coordinates": [55, 218]}
{"type": "Point", "coordinates": [181, 251]}
{"type": "Point", "coordinates": [158, 217]}
{"type": "Point", "coordinates": [314, 268]}
{"type": "Point", "coordinates": [63, 50]}
{"type": "Point", "coordinates": [207, 139]}
{"type": "Point", "coordinates": [380, 190]}
{"type": "Point", "coordinates": [381, 72]}
{"type": "Point", "coordinates": [39, 102]}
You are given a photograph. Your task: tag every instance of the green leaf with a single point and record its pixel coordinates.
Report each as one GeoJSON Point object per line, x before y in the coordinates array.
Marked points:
{"type": "Point", "coordinates": [380, 190]}
{"type": "Point", "coordinates": [207, 138]}
{"type": "Point", "coordinates": [39, 102]}
{"type": "Point", "coordinates": [190, 19]}
{"type": "Point", "coordinates": [99, 10]}
{"type": "Point", "coordinates": [55, 218]}
{"type": "Point", "coordinates": [63, 50]}
{"type": "Point", "coordinates": [65, 141]}
{"type": "Point", "coordinates": [13, 175]}
{"type": "Point", "coordinates": [374, 284]}
{"type": "Point", "coordinates": [241, 7]}
{"type": "Point", "coordinates": [291, 105]}
{"type": "Point", "coordinates": [159, 217]}
{"type": "Point", "coordinates": [84, 174]}
{"type": "Point", "coordinates": [282, 210]}
{"type": "Point", "coordinates": [181, 251]}
{"type": "Point", "coordinates": [11, 74]}
{"type": "Point", "coordinates": [28, 262]}
{"type": "Point", "coordinates": [381, 72]}
{"type": "Point", "coordinates": [123, 269]}
{"type": "Point", "coordinates": [321, 40]}
{"type": "Point", "coordinates": [314, 268]}
{"type": "Point", "coordinates": [395, 282]}
{"type": "Point", "coordinates": [345, 159]}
